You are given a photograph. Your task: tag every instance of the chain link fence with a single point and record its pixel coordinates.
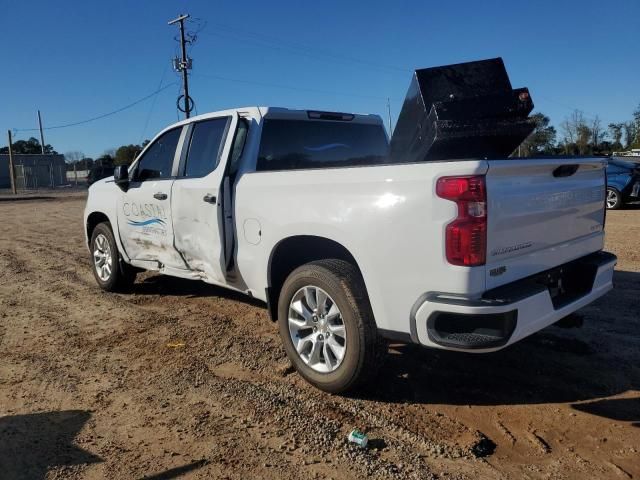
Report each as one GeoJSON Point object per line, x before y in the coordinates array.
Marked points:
{"type": "Point", "coordinates": [38, 173]}
{"type": "Point", "coordinates": [40, 176]}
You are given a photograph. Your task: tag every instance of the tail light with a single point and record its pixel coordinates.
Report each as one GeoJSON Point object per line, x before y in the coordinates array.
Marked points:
{"type": "Point", "coordinates": [466, 236]}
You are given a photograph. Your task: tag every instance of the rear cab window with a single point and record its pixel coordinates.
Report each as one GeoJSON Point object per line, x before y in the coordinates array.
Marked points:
{"type": "Point", "coordinates": [306, 144]}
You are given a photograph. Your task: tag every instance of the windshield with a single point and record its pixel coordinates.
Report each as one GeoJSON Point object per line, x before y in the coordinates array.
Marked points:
{"type": "Point", "coordinates": [297, 144]}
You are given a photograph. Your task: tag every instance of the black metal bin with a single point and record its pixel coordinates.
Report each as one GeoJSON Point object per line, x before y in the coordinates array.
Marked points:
{"type": "Point", "coordinates": [466, 110]}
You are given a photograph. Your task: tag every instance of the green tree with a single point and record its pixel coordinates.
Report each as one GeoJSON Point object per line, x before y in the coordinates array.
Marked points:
{"type": "Point", "coordinates": [126, 154]}
{"type": "Point", "coordinates": [30, 146]}
{"type": "Point", "coordinates": [635, 143]}
{"type": "Point", "coordinates": [104, 160]}
{"type": "Point", "coordinates": [542, 140]}
{"type": "Point", "coordinates": [615, 130]}
{"type": "Point", "coordinates": [630, 134]}
{"type": "Point", "coordinates": [583, 141]}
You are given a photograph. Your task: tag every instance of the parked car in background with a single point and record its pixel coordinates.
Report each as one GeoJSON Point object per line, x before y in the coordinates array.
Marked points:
{"type": "Point", "coordinates": [98, 173]}
{"type": "Point", "coordinates": [623, 182]}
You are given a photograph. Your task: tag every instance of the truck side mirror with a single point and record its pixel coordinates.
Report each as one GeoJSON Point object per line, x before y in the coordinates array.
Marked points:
{"type": "Point", "coordinates": [121, 177]}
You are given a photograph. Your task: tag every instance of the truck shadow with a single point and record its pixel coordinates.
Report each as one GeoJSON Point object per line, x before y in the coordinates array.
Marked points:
{"type": "Point", "coordinates": [555, 365]}
{"type": "Point", "coordinates": [32, 444]}
{"type": "Point", "coordinates": [619, 409]}
{"type": "Point", "coordinates": [179, 287]}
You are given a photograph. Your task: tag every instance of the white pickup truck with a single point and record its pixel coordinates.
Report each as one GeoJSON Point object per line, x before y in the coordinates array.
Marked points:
{"type": "Point", "coordinates": [305, 211]}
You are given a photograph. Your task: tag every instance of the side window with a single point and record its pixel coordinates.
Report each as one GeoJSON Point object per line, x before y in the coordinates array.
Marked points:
{"type": "Point", "coordinates": [238, 146]}
{"type": "Point", "coordinates": [205, 146]}
{"type": "Point", "coordinates": [157, 161]}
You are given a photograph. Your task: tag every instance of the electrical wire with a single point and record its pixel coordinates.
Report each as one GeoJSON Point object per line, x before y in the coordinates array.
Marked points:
{"type": "Point", "coordinates": [289, 87]}
{"type": "Point", "coordinates": [590, 116]}
{"type": "Point", "coordinates": [99, 117]}
{"type": "Point", "coordinates": [153, 104]}
{"type": "Point", "coordinates": [297, 48]}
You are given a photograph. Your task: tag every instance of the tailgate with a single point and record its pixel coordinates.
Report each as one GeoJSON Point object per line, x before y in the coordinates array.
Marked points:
{"type": "Point", "coordinates": [542, 213]}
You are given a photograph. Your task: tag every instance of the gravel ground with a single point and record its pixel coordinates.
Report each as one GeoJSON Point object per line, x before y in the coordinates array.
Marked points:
{"type": "Point", "coordinates": [182, 379]}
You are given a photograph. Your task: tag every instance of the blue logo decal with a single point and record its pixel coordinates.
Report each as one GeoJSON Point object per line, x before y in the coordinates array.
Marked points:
{"type": "Point", "coordinates": [144, 223]}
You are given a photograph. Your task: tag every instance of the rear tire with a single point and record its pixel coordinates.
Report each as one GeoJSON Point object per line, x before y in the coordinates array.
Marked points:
{"type": "Point", "coordinates": [345, 293]}
{"type": "Point", "coordinates": [109, 269]}
{"type": "Point", "coordinates": [614, 199]}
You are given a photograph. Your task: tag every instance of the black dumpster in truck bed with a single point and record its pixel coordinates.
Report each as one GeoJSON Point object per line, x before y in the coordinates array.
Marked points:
{"type": "Point", "coordinates": [467, 110]}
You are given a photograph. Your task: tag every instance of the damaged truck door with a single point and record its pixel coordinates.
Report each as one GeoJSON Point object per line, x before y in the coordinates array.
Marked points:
{"type": "Point", "coordinates": [196, 196]}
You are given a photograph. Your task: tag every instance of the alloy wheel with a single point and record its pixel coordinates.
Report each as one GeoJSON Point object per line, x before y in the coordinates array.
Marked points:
{"type": "Point", "coordinates": [102, 258]}
{"type": "Point", "coordinates": [317, 329]}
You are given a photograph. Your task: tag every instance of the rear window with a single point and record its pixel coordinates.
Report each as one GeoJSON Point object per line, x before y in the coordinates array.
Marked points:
{"type": "Point", "coordinates": [297, 144]}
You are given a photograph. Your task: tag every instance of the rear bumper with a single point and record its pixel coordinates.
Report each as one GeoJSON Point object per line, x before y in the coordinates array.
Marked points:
{"type": "Point", "coordinates": [504, 315]}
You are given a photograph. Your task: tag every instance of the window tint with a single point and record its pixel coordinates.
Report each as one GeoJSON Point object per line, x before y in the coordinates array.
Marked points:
{"type": "Point", "coordinates": [295, 144]}
{"type": "Point", "coordinates": [238, 146]}
{"type": "Point", "coordinates": [205, 146]}
{"type": "Point", "coordinates": [157, 161]}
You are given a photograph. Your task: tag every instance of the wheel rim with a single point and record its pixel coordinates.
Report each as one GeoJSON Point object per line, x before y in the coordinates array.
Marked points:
{"type": "Point", "coordinates": [317, 329]}
{"type": "Point", "coordinates": [612, 199]}
{"type": "Point", "coordinates": [102, 258]}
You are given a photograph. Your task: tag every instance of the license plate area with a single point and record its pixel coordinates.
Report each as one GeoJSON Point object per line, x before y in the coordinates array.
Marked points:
{"type": "Point", "coordinates": [568, 283]}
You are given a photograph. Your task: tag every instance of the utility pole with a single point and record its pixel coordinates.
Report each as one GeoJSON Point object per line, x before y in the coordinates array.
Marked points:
{"type": "Point", "coordinates": [41, 134]}
{"type": "Point", "coordinates": [183, 65]}
{"type": "Point", "coordinates": [12, 172]}
{"type": "Point", "coordinates": [389, 114]}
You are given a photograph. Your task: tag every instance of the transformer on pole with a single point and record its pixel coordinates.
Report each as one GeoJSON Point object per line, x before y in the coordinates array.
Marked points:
{"type": "Point", "coordinates": [183, 65]}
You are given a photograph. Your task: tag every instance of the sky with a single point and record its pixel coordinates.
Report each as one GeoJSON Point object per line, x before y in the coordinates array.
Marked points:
{"type": "Point", "coordinates": [77, 60]}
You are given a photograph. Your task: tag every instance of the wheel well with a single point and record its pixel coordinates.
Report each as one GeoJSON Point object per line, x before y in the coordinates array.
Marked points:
{"type": "Point", "coordinates": [293, 252]}
{"type": "Point", "coordinates": [93, 220]}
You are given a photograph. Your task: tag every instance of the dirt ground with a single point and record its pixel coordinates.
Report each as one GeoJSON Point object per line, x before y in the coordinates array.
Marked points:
{"type": "Point", "coordinates": [181, 379]}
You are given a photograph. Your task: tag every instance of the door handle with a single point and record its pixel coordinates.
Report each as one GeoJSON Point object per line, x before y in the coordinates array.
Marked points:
{"type": "Point", "coordinates": [160, 196]}
{"type": "Point", "coordinates": [565, 170]}
{"type": "Point", "coordinates": [209, 198]}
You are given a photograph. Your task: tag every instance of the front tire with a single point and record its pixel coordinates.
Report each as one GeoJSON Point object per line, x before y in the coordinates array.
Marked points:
{"type": "Point", "coordinates": [327, 327]}
{"type": "Point", "coordinates": [614, 199]}
{"type": "Point", "coordinates": [109, 270]}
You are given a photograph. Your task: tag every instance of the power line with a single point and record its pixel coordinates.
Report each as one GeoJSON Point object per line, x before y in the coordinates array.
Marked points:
{"type": "Point", "coordinates": [93, 119]}
{"type": "Point", "coordinates": [297, 48]}
{"type": "Point", "coordinates": [153, 104]}
{"type": "Point", "coordinates": [291, 87]}
{"type": "Point", "coordinates": [590, 116]}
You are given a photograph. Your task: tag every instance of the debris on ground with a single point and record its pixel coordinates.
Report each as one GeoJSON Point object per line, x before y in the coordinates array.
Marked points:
{"type": "Point", "coordinates": [359, 438]}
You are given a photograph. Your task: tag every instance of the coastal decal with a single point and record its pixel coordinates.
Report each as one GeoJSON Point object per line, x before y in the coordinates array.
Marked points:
{"type": "Point", "coordinates": [148, 218]}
